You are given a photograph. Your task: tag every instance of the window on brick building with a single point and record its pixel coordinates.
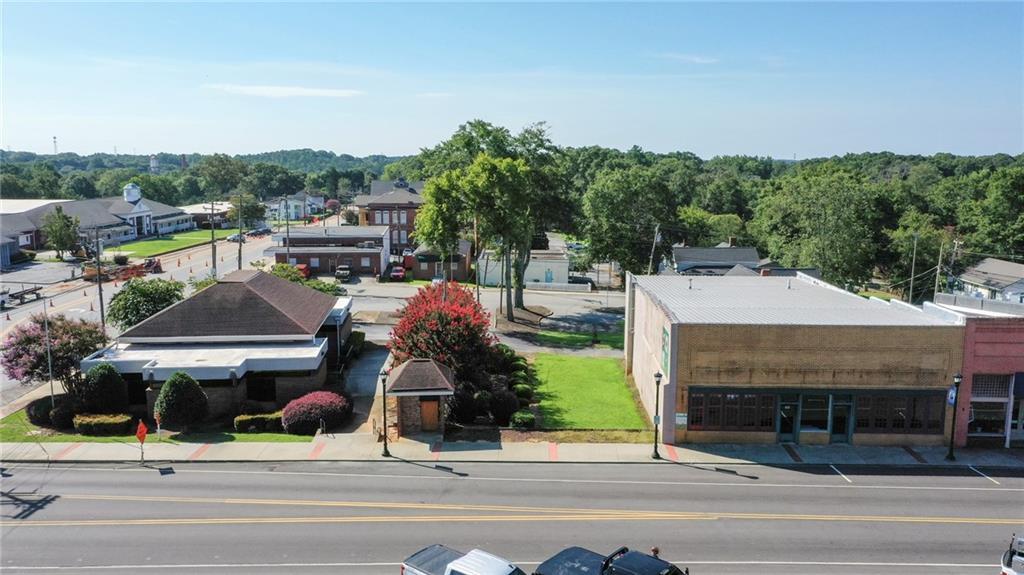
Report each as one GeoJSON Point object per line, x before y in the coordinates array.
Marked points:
{"type": "Point", "coordinates": [731, 411]}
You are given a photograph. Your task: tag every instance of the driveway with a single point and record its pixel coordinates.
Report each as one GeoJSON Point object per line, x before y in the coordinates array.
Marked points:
{"type": "Point", "coordinates": [34, 273]}
{"type": "Point", "coordinates": [361, 379]}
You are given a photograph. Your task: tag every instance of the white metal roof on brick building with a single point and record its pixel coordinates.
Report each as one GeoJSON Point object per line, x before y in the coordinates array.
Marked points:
{"type": "Point", "coordinates": [773, 301]}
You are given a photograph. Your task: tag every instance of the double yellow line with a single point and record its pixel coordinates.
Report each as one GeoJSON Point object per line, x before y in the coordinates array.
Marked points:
{"type": "Point", "coordinates": [482, 513]}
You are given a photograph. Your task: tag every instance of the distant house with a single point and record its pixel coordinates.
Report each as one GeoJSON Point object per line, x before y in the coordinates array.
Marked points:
{"type": "Point", "coordinates": [114, 220]}
{"type": "Point", "coordinates": [251, 336]}
{"type": "Point", "coordinates": [297, 206]}
{"type": "Point", "coordinates": [365, 249]}
{"type": "Point", "coordinates": [729, 259]}
{"type": "Point", "coordinates": [992, 278]}
{"type": "Point", "coordinates": [393, 204]}
{"type": "Point", "coordinates": [203, 214]}
{"type": "Point", "coordinates": [427, 263]}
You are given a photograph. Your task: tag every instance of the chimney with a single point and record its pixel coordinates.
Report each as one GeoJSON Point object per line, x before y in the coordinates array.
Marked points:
{"type": "Point", "coordinates": [732, 241]}
{"type": "Point", "coordinates": [765, 272]}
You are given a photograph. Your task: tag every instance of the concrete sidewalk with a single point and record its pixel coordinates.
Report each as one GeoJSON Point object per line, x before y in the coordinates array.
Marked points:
{"type": "Point", "coordinates": [361, 446]}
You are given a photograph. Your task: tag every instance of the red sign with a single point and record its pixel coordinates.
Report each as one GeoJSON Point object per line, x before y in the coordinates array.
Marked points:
{"type": "Point", "coordinates": [141, 431]}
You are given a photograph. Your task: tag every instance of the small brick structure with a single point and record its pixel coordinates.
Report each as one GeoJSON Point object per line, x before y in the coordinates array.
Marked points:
{"type": "Point", "coordinates": [417, 396]}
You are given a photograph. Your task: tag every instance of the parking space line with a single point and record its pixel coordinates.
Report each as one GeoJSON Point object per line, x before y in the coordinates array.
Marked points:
{"type": "Point", "coordinates": [552, 451]}
{"type": "Point", "coordinates": [672, 454]}
{"type": "Point", "coordinates": [974, 469]}
{"type": "Point", "coordinates": [63, 452]}
{"type": "Point", "coordinates": [199, 452]}
{"type": "Point", "coordinates": [840, 473]}
{"type": "Point", "coordinates": [315, 453]}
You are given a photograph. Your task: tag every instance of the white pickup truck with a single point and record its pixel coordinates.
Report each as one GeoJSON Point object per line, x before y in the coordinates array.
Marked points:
{"type": "Point", "coordinates": [441, 560]}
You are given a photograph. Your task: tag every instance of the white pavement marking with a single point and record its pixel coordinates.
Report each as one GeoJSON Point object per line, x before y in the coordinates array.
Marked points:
{"type": "Point", "coordinates": [393, 564]}
{"type": "Point", "coordinates": [542, 480]}
{"type": "Point", "coordinates": [840, 473]}
{"type": "Point", "coordinates": [983, 475]}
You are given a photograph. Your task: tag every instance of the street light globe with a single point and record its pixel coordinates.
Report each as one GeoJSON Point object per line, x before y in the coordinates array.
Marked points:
{"type": "Point", "coordinates": [657, 378]}
{"type": "Point", "coordinates": [958, 379]}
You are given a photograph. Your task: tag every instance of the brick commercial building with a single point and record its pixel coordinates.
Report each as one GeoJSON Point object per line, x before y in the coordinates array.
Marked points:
{"type": "Point", "coordinates": [365, 249]}
{"type": "Point", "coordinates": [418, 392]}
{"type": "Point", "coordinates": [991, 405]}
{"type": "Point", "coordinates": [393, 204]}
{"type": "Point", "coordinates": [251, 336]}
{"type": "Point", "coordinates": [775, 359]}
{"type": "Point", "coordinates": [427, 263]}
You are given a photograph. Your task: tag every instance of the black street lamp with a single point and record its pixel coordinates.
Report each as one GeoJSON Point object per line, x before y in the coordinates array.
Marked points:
{"type": "Point", "coordinates": [957, 379]}
{"type": "Point", "coordinates": [384, 391]}
{"type": "Point", "coordinates": [657, 412]}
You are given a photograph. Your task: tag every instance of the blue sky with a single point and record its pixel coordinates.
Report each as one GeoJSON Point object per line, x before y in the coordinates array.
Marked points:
{"type": "Point", "coordinates": [803, 79]}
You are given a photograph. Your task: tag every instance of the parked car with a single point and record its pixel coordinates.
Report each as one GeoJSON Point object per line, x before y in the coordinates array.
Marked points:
{"type": "Point", "coordinates": [1013, 558]}
{"type": "Point", "coordinates": [580, 561]}
{"type": "Point", "coordinates": [441, 560]}
{"type": "Point", "coordinates": [397, 274]}
{"type": "Point", "coordinates": [583, 280]}
{"type": "Point", "coordinates": [236, 238]}
{"type": "Point", "coordinates": [436, 280]}
{"type": "Point", "coordinates": [304, 270]}
{"type": "Point", "coordinates": [407, 252]}
{"type": "Point", "coordinates": [343, 273]}
{"type": "Point", "coordinates": [575, 246]}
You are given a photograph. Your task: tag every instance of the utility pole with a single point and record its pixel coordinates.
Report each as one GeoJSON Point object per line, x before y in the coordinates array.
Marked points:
{"type": "Point", "coordinates": [913, 264]}
{"type": "Point", "coordinates": [952, 258]}
{"type": "Point", "coordinates": [938, 271]}
{"type": "Point", "coordinates": [99, 282]}
{"type": "Point", "coordinates": [650, 263]}
{"type": "Point", "coordinates": [287, 236]}
{"type": "Point", "coordinates": [240, 236]}
{"type": "Point", "coordinates": [213, 245]}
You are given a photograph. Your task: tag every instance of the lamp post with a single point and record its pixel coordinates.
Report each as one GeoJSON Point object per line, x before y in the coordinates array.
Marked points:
{"type": "Point", "coordinates": [957, 380]}
{"type": "Point", "coordinates": [657, 412]}
{"type": "Point", "coordinates": [384, 391]}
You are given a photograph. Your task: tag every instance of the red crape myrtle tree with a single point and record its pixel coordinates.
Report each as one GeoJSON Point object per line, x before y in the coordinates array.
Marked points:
{"type": "Point", "coordinates": [451, 330]}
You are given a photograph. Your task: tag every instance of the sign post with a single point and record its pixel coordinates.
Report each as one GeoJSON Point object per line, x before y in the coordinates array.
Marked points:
{"type": "Point", "coordinates": [140, 433]}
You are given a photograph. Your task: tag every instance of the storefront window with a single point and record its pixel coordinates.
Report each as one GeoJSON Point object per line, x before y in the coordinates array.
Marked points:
{"type": "Point", "coordinates": [900, 414]}
{"type": "Point", "coordinates": [987, 417]}
{"type": "Point", "coordinates": [814, 413]}
{"type": "Point", "coordinates": [731, 411]}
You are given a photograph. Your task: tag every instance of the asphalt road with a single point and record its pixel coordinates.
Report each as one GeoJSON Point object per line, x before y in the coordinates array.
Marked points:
{"type": "Point", "coordinates": [365, 518]}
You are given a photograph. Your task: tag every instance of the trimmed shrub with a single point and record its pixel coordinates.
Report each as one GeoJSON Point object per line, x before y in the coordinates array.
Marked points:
{"type": "Point", "coordinates": [482, 401]}
{"type": "Point", "coordinates": [38, 412]}
{"type": "Point", "coordinates": [250, 407]}
{"type": "Point", "coordinates": [302, 416]}
{"type": "Point", "coordinates": [522, 391]}
{"type": "Point", "coordinates": [521, 378]}
{"type": "Point", "coordinates": [524, 403]}
{"type": "Point", "coordinates": [103, 423]}
{"type": "Point", "coordinates": [356, 340]}
{"type": "Point", "coordinates": [463, 406]}
{"type": "Point", "coordinates": [503, 405]}
{"type": "Point", "coordinates": [121, 260]}
{"type": "Point", "coordinates": [519, 366]}
{"type": "Point", "coordinates": [62, 416]}
{"type": "Point", "coordinates": [103, 391]}
{"type": "Point", "coordinates": [181, 402]}
{"type": "Point", "coordinates": [524, 419]}
{"type": "Point", "coordinates": [259, 423]}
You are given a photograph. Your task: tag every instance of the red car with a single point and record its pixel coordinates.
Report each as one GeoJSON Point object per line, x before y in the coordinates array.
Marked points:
{"type": "Point", "coordinates": [304, 270]}
{"type": "Point", "coordinates": [398, 274]}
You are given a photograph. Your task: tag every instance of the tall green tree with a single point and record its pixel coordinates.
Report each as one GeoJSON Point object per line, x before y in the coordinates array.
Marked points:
{"type": "Point", "coordinates": [140, 299]}
{"type": "Point", "coordinates": [253, 211]}
{"type": "Point", "coordinates": [695, 226]}
{"type": "Point", "coordinates": [268, 181]}
{"type": "Point", "coordinates": [904, 258]}
{"type": "Point", "coordinates": [441, 219]}
{"type": "Point", "coordinates": [157, 188]}
{"type": "Point", "coordinates": [77, 186]}
{"type": "Point", "coordinates": [220, 174]}
{"type": "Point", "coordinates": [60, 231]}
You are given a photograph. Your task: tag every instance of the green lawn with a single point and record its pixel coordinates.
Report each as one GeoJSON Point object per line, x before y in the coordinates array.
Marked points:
{"type": "Point", "coordinates": [585, 393]}
{"type": "Point", "coordinates": [16, 428]}
{"type": "Point", "coordinates": [605, 339]}
{"type": "Point", "coordinates": [875, 293]}
{"type": "Point", "coordinates": [171, 243]}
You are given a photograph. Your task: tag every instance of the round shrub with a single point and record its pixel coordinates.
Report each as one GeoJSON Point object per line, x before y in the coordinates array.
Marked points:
{"type": "Point", "coordinates": [302, 416]}
{"type": "Point", "coordinates": [521, 378]}
{"type": "Point", "coordinates": [38, 411]}
{"type": "Point", "coordinates": [103, 391]}
{"type": "Point", "coordinates": [103, 424]}
{"type": "Point", "coordinates": [524, 403]}
{"type": "Point", "coordinates": [121, 260]}
{"type": "Point", "coordinates": [519, 366]}
{"type": "Point", "coordinates": [463, 406]}
{"type": "Point", "coordinates": [62, 416]}
{"type": "Point", "coordinates": [482, 400]}
{"type": "Point", "coordinates": [522, 391]}
{"type": "Point", "coordinates": [259, 423]}
{"type": "Point", "coordinates": [503, 405]}
{"type": "Point", "coordinates": [524, 419]}
{"type": "Point", "coordinates": [181, 402]}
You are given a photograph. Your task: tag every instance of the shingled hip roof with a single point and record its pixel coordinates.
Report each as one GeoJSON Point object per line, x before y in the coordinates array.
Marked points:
{"type": "Point", "coordinates": [421, 377]}
{"type": "Point", "coordinates": [245, 304]}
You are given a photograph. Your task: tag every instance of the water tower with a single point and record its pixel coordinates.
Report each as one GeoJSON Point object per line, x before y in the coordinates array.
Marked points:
{"type": "Point", "coordinates": [132, 193]}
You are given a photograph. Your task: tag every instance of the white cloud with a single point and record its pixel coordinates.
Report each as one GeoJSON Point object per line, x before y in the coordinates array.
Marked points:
{"type": "Point", "coordinates": [688, 58]}
{"type": "Point", "coordinates": [283, 91]}
{"type": "Point", "coordinates": [434, 95]}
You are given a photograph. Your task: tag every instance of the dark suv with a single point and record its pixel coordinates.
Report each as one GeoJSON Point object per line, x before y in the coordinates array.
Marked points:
{"type": "Point", "coordinates": [580, 561]}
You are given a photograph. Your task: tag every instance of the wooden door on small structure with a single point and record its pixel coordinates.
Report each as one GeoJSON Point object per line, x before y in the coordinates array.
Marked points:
{"type": "Point", "coordinates": [429, 412]}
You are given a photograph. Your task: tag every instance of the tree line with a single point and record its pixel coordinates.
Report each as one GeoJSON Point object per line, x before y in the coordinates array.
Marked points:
{"type": "Point", "coordinates": [856, 217]}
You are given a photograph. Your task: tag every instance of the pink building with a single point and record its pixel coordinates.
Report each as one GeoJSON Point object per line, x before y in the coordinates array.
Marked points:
{"type": "Point", "coordinates": [991, 405]}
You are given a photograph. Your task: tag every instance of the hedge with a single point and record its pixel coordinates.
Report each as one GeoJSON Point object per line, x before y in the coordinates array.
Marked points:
{"type": "Point", "coordinates": [524, 419]}
{"type": "Point", "coordinates": [103, 424]}
{"type": "Point", "coordinates": [482, 401]}
{"type": "Point", "coordinates": [503, 405]}
{"type": "Point", "coordinates": [38, 411]}
{"type": "Point", "coordinates": [522, 391]}
{"type": "Point", "coordinates": [356, 340]}
{"type": "Point", "coordinates": [63, 416]}
{"type": "Point", "coordinates": [259, 423]}
{"type": "Point", "coordinates": [302, 416]}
